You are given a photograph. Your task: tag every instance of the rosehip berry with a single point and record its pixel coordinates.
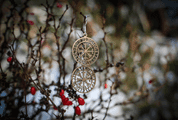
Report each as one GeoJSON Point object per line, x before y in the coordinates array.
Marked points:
{"type": "Point", "coordinates": [31, 13]}
{"type": "Point", "coordinates": [59, 5]}
{"type": "Point", "coordinates": [54, 108]}
{"type": "Point", "coordinates": [30, 22]}
{"type": "Point", "coordinates": [69, 103]}
{"type": "Point", "coordinates": [63, 97]}
{"type": "Point", "coordinates": [9, 59]}
{"type": "Point", "coordinates": [33, 90]}
{"type": "Point", "coordinates": [62, 92]}
{"type": "Point", "coordinates": [150, 81]}
{"type": "Point", "coordinates": [64, 101]}
{"type": "Point", "coordinates": [77, 110]}
{"type": "Point", "coordinates": [81, 101]}
{"type": "Point", "coordinates": [105, 86]}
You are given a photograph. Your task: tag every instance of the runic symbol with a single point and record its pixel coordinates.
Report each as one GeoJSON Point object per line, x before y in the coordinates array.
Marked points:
{"type": "Point", "coordinates": [85, 51]}
{"type": "Point", "coordinates": [83, 79]}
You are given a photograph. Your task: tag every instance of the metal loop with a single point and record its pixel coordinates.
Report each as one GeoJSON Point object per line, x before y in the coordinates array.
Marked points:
{"type": "Point", "coordinates": [85, 26]}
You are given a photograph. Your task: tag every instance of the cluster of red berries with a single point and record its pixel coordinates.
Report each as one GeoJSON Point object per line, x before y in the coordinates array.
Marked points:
{"type": "Point", "coordinates": [32, 90]}
{"type": "Point", "coordinates": [65, 101]}
{"type": "Point", "coordinates": [77, 108]}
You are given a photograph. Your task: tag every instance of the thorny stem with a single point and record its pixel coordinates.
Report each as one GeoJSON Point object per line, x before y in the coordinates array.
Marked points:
{"type": "Point", "coordinates": [71, 29]}
{"type": "Point", "coordinates": [109, 101]}
{"type": "Point", "coordinates": [37, 85]}
{"type": "Point", "coordinates": [84, 22]}
{"type": "Point", "coordinates": [57, 43]}
{"type": "Point", "coordinates": [104, 40]}
{"type": "Point", "coordinates": [25, 97]}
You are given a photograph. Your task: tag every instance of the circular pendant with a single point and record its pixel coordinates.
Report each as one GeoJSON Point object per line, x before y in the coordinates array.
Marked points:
{"type": "Point", "coordinates": [85, 51]}
{"type": "Point", "coordinates": [83, 79]}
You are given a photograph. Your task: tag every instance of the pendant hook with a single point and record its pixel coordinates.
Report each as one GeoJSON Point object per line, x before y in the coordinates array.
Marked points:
{"type": "Point", "coordinates": [85, 26]}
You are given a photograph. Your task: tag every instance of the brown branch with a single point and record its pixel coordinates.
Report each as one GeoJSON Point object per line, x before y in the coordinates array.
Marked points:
{"type": "Point", "coordinates": [109, 101]}
{"type": "Point", "coordinates": [29, 78]}
{"type": "Point", "coordinates": [84, 22]}
{"type": "Point", "coordinates": [25, 98]}
{"type": "Point", "coordinates": [71, 29]}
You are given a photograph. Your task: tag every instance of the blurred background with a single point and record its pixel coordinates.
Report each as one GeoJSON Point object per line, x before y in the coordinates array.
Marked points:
{"type": "Point", "coordinates": [142, 34]}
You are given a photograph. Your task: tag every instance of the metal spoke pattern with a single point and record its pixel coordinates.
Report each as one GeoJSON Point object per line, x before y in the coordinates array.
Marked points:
{"type": "Point", "coordinates": [83, 79]}
{"type": "Point", "coordinates": [85, 51]}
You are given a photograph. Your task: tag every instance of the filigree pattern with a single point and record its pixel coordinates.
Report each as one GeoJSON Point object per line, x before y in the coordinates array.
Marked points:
{"type": "Point", "coordinates": [83, 79]}
{"type": "Point", "coordinates": [85, 51]}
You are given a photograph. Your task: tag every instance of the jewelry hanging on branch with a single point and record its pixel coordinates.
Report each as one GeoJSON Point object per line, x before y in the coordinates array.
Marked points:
{"type": "Point", "coordinates": [83, 79]}
{"type": "Point", "coordinates": [85, 51]}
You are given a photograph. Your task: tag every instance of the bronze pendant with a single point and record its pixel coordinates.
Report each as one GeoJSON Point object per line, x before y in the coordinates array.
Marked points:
{"type": "Point", "coordinates": [85, 51]}
{"type": "Point", "coordinates": [83, 79]}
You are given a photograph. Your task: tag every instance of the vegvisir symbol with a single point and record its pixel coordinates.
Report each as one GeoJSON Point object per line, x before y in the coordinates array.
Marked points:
{"type": "Point", "coordinates": [85, 51]}
{"type": "Point", "coordinates": [83, 79]}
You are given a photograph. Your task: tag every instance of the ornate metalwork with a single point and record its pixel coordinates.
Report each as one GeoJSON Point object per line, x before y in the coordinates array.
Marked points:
{"type": "Point", "coordinates": [83, 79]}
{"type": "Point", "coordinates": [85, 51]}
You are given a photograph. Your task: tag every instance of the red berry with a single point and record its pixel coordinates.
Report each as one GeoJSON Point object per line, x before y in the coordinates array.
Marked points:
{"type": "Point", "coordinates": [54, 108]}
{"type": "Point", "coordinates": [30, 22]}
{"type": "Point", "coordinates": [63, 97]}
{"type": "Point", "coordinates": [9, 59]}
{"type": "Point", "coordinates": [62, 92]}
{"type": "Point", "coordinates": [64, 101]}
{"type": "Point", "coordinates": [33, 90]}
{"type": "Point", "coordinates": [59, 5]}
{"type": "Point", "coordinates": [77, 110]}
{"type": "Point", "coordinates": [150, 81]}
{"type": "Point", "coordinates": [31, 13]}
{"type": "Point", "coordinates": [69, 103]}
{"type": "Point", "coordinates": [81, 101]}
{"type": "Point", "coordinates": [42, 41]}
{"type": "Point", "coordinates": [105, 85]}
